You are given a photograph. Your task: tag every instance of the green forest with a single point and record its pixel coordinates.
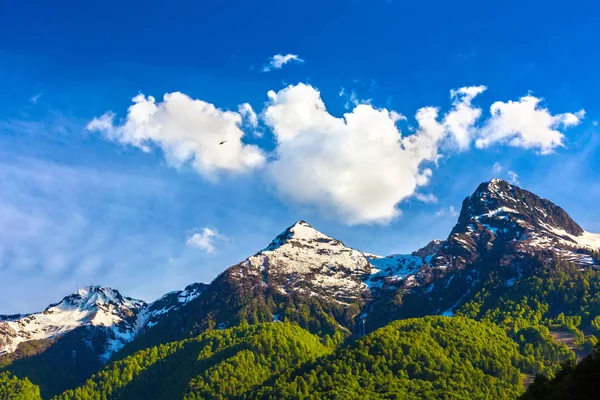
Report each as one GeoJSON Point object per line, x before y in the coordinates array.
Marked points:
{"type": "Point", "coordinates": [415, 358]}
{"type": "Point", "coordinates": [13, 388]}
{"type": "Point", "coordinates": [421, 358]}
{"type": "Point", "coordinates": [217, 364]}
{"type": "Point", "coordinates": [557, 298]}
{"type": "Point", "coordinates": [501, 337]}
{"type": "Point", "coordinates": [572, 382]}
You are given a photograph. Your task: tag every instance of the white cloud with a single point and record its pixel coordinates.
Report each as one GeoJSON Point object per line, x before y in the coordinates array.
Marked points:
{"type": "Point", "coordinates": [248, 114]}
{"type": "Point", "coordinates": [279, 60]}
{"type": "Point", "coordinates": [205, 240]}
{"type": "Point", "coordinates": [34, 99]}
{"type": "Point", "coordinates": [356, 168]}
{"type": "Point", "coordinates": [187, 130]}
{"type": "Point", "coordinates": [513, 177]}
{"type": "Point", "coordinates": [426, 198]}
{"type": "Point", "coordinates": [447, 212]}
{"type": "Point", "coordinates": [526, 124]}
{"type": "Point", "coordinates": [460, 122]}
{"type": "Point", "coordinates": [497, 168]}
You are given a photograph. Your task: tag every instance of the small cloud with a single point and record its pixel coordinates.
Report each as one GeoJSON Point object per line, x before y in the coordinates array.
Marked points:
{"type": "Point", "coordinates": [352, 100]}
{"type": "Point", "coordinates": [373, 85]}
{"type": "Point", "coordinates": [595, 123]}
{"type": "Point", "coordinates": [447, 212]}
{"type": "Point", "coordinates": [279, 60]}
{"type": "Point", "coordinates": [468, 55]}
{"type": "Point", "coordinates": [248, 114]}
{"type": "Point", "coordinates": [34, 99]}
{"type": "Point", "coordinates": [497, 168]}
{"type": "Point", "coordinates": [426, 198]}
{"type": "Point", "coordinates": [205, 240]}
{"type": "Point", "coordinates": [526, 124]}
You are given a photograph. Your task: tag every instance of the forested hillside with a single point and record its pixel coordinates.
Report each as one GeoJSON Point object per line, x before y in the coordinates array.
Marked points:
{"type": "Point", "coordinates": [561, 297]}
{"type": "Point", "coordinates": [418, 358]}
{"type": "Point", "coordinates": [217, 364]}
{"type": "Point", "coordinates": [573, 382]}
{"type": "Point", "coordinates": [512, 293]}
{"type": "Point", "coordinates": [13, 388]}
{"type": "Point", "coordinates": [423, 358]}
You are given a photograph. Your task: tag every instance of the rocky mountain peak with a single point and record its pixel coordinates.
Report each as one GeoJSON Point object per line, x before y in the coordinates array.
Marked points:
{"type": "Point", "coordinates": [300, 232]}
{"type": "Point", "coordinates": [94, 297]}
{"type": "Point", "coordinates": [500, 218]}
{"type": "Point", "coordinates": [304, 260]}
{"type": "Point", "coordinates": [497, 199]}
{"type": "Point", "coordinates": [92, 306]}
{"type": "Point", "coordinates": [429, 249]}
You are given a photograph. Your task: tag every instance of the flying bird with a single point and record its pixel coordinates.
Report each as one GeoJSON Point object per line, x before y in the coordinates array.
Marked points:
{"type": "Point", "coordinates": [220, 143]}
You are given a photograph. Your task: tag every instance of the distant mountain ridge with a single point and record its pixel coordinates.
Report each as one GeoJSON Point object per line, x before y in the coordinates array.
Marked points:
{"type": "Point", "coordinates": [314, 280]}
{"type": "Point", "coordinates": [497, 217]}
{"type": "Point", "coordinates": [93, 307]}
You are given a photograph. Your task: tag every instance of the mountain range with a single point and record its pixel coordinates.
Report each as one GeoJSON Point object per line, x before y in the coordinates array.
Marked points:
{"type": "Point", "coordinates": [504, 239]}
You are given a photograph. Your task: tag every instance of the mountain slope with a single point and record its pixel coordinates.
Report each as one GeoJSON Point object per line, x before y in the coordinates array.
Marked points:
{"type": "Point", "coordinates": [72, 339]}
{"type": "Point", "coordinates": [93, 306]}
{"type": "Point", "coordinates": [508, 247]}
{"type": "Point", "coordinates": [305, 261]}
{"type": "Point", "coordinates": [171, 302]}
{"type": "Point", "coordinates": [502, 218]}
{"type": "Point", "coordinates": [572, 382]}
{"type": "Point", "coordinates": [501, 229]}
{"type": "Point", "coordinates": [14, 388]}
{"type": "Point", "coordinates": [417, 358]}
{"type": "Point", "coordinates": [302, 276]}
{"type": "Point", "coordinates": [217, 364]}
{"type": "Point", "coordinates": [421, 358]}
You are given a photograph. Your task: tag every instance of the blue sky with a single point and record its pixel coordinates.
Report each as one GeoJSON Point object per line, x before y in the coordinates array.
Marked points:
{"type": "Point", "coordinates": [152, 206]}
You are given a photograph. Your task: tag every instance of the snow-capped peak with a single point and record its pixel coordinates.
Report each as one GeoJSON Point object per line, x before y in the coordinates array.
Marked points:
{"type": "Point", "coordinates": [91, 298]}
{"type": "Point", "coordinates": [301, 231]}
{"type": "Point", "coordinates": [102, 309]}
{"type": "Point", "coordinates": [90, 306]}
{"type": "Point", "coordinates": [305, 260]}
{"type": "Point", "coordinates": [502, 216]}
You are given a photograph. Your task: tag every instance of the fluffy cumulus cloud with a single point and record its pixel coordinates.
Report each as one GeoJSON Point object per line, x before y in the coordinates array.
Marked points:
{"type": "Point", "coordinates": [526, 124]}
{"type": "Point", "coordinates": [279, 60]}
{"type": "Point", "coordinates": [205, 240]}
{"type": "Point", "coordinates": [359, 167]}
{"type": "Point", "coordinates": [460, 123]}
{"type": "Point", "coordinates": [187, 130]}
{"type": "Point", "coordinates": [356, 168]}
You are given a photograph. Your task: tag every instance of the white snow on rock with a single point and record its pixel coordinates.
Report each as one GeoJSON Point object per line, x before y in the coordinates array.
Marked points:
{"type": "Point", "coordinates": [90, 306]}
{"type": "Point", "coordinates": [585, 240]}
{"type": "Point", "coordinates": [394, 268]}
{"type": "Point", "coordinates": [170, 302]}
{"type": "Point", "coordinates": [302, 255]}
{"type": "Point", "coordinates": [121, 318]}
